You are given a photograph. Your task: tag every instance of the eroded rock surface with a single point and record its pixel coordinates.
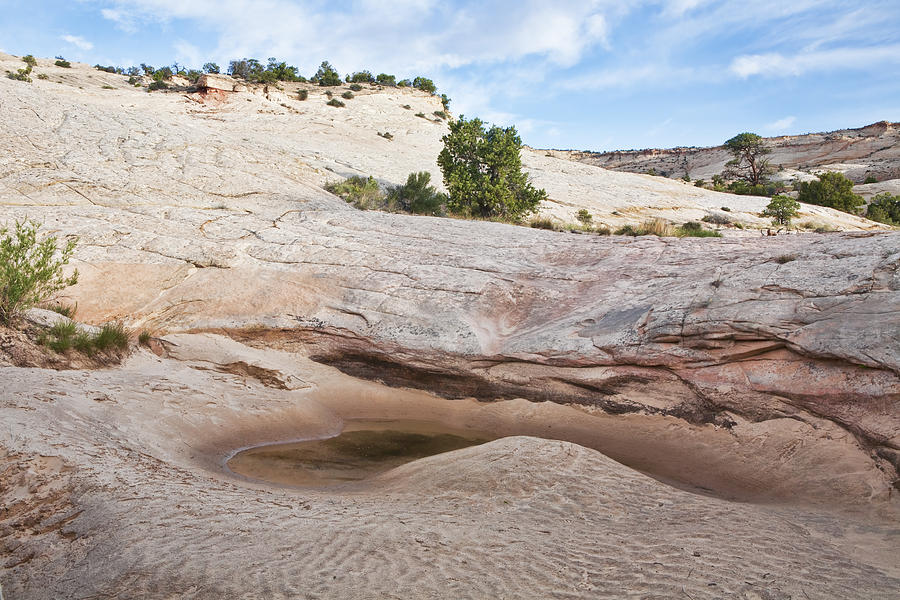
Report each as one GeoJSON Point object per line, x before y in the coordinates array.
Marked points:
{"type": "Point", "coordinates": [775, 360]}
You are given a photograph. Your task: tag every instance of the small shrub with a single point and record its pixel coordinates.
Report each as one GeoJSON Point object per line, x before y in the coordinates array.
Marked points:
{"type": "Point", "coordinates": [61, 336]}
{"type": "Point", "coordinates": [884, 208]}
{"type": "Point", "coordinates": [700, 183]}
{"type": "Point", "coordinates": [604, 230]}
{"type": "Point", "coordinates": [407, 107]}
{"type": "Point", "coordinates": [112, 336]}
{"type": "Point", "coordinates": [61, 62]}
{"type": "Point", "coordinates": [355, 87]}
{"type": "Point", "coordinates": [786, 258]}
{"type": "Point", "coordinates": [386, 135]}
{"type": "Point", "coordinates": [29, 60]}
{"type": "Point", "coordinates": [417, 196]}
{"type": "Point", "coordinates": [441, 114]}
{"type": "Point", "coordinates": [716, 219]}
{"type": "Point", "coordinates": [330, 94]}
{"type": "Point", "coordinates": [144, 338]}
{"type": "Point", "coordinates": [726, 209]}
{"type": "Point", "coordinates": [419, 114]}
{"type": "Point", "coordinates": [21, 74]}
{"type": "Point", "coordinates": [361, 192]}
{"type": "Point", "coordinates": [348, 95]}
{"type": "Point", "coordinates": [695, 229]}
{"type": "Point", "coordinates": [106, 69]}
{"type": "Point", "coordinates": [541, 223]}
{"type": "Point", "coordinates": [108, 87]}
{"type": "Point", "coordinates": [627, 230]}
{"type": "Point", "coordinates": [871, 179]}
{"type": "Point", "coordinates": [657, 227]}
{"type": "Point", "coordinates": [42, 76]}
{"type": "Point", "coordinates": [66, 310]}
{"type": "Point", "coordinates": [336, 103]}
{"type": "Point", "coordinates": [84, 342]}
{"type": "Point", "coordinates": [584, 217]}
{"type": "Point", "coordinates": [30, 271]}
{"type": "Point", "coordinates": [302, 94]}
{"type": "Point", "coordinates": [782, 209]}
{"type": "Point", "coordinates": [833, 190]}
{"type": "Point", "coordinates": [157, 85]}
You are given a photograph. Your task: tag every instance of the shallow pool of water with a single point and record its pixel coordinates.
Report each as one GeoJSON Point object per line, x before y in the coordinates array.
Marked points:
{"type": "Point", "coordinates": [363, 449]}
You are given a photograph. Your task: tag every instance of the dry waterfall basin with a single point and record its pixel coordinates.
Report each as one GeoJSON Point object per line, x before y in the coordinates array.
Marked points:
{"type": "Point", "coordinates": [674, 418]}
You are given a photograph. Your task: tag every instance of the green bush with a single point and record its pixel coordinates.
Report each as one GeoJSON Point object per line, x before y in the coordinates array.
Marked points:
{"type": "Point", "coordinates": [542, 223]}
{"type": "Point", "coordinates": [417, 196]}
{"type": "Point", "coordinates": [326, 75]}
{"type": "Point", "coordinates": [355, 87]}
{"type": "Point", "coordinates": [386, 135]}
{"type": "Point", "coordinates": [360, 77]}
{"type": "Point", "coordinates": [441, 114]}
{"type": "Point", "coordinates": [61, 336]}
{"type": "Point", "coordinates": [112, 336]}
{"type": "Point", "coordinates": [782, 209]}
{"type": "Point", "coordinates": [627, 230]}
{"type": "Point", "coordinates": [695, 229]}
{"type": "Point", "coordinates": [716, 219]}
{"type": "Point", "coordinates": [61, 62]}
{"type": "Point", "coordinates": [336, 103]}
{"type": "Point", "coordinates": [424, 84]}
{"type": "Point", "coordinates": [144, 338]}
{"type": "Point", "coordinates": [482, 171]}
{"type": "Point", "coordinates": [29, 60]}
{"type": "Point", "coordinates": [884, 208]}
{"type": "Point", "coordinates": [157, 85]}
{"type": "Point", "coordinates": [31, 271]}
{"type": "Point", "coordinates": [361, 192]}
{"type": "Point", "coordinates": [584, 217]}
{"type": "Point", "coordinates": [21, 74]}
{"type": "Point", "coordinates": [43, 76]}
{"type": "Point", "coordinates": [66, 335]}
{"type": "Point", "coordinates": [833, 190]}
{"type": "Point", "coordinates": [347, 95]}
{"type": "Point", "coordinates": [386, 80]}
{"type": "Point", "coordinates": [302, 94]}
{"type": "Point", "coordinates": [871, 179]}
{"type": "Point", "coordinates": [66, 310]}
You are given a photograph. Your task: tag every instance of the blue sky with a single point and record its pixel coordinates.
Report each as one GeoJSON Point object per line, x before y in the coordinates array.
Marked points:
{"type": "Point", "coordinates": [593, 75]}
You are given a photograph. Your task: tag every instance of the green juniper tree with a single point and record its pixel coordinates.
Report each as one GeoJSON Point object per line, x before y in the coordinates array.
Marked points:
{"type": "Point", "coordinates": [482, 172]}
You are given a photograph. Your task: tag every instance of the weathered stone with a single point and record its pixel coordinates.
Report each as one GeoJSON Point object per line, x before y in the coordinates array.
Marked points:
{"type": "Point", "coordinates": [215, 81]}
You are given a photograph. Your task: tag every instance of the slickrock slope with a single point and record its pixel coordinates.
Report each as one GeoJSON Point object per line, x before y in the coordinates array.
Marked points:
{"type": "Point", "coordinates": [873, 151]}
{"type": "Point", "coordinates": [765, 370]}
{"type": "Point", "coordinates": [70, 141]}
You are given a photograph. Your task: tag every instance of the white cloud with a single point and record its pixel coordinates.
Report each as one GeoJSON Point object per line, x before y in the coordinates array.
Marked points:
{"type": "Point", "coordinates": [188, 54]}
{"type": "Point", "coordinates": [433, 34]}
{"type": "Point", "coordinates": [780, 125]}
{"type": "Point", "coordinates": [78, 41]}
{"type": "Point", "coordinates": [774, 64]}
{"type": "Point", "coordinates": [125, 21]}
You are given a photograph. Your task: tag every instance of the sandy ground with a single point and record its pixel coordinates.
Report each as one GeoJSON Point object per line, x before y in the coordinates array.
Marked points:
{"type": "Point", "coordinates": [123, 470]}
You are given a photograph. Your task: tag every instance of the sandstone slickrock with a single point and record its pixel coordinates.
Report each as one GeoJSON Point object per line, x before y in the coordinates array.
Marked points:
{"type": "Point", "coordinates": [762, 369]}
{"type": "Point", "coordinates": [870, 151]}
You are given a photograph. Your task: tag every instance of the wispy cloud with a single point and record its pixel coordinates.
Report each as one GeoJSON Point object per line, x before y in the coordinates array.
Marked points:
{"type": "Point", "coordinates": [778, 65]}
{"type": "Point", "coordinates": [77, 41]}
{"type": "Point", "coordinates": [780, 125]}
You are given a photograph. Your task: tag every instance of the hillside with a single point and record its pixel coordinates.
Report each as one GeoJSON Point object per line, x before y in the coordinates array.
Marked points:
{"type": "Point", "coordinates": [741, 395]}
{"type": "Point", "coordinates": [871, 151]}
{"type": "Point", "coordinates": [178, 143]}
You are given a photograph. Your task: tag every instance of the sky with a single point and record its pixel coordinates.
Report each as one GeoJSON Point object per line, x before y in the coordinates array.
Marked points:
{"type": "Point", "coordinates": [587, 75]}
